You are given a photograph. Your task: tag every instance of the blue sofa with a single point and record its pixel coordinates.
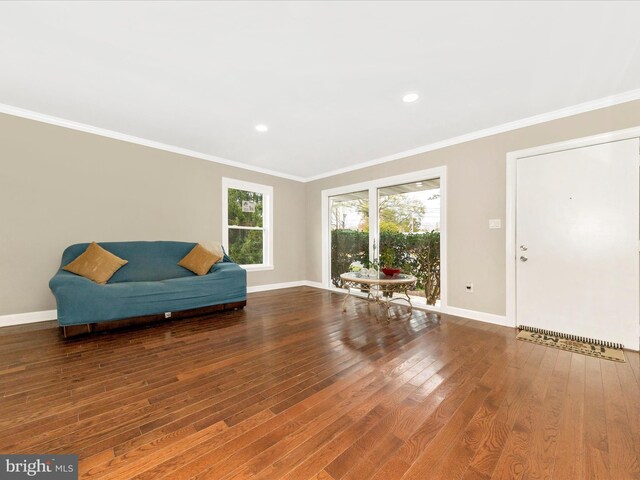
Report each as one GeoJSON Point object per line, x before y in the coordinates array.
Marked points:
{"type": "Point", "coordinates": [150, 285]}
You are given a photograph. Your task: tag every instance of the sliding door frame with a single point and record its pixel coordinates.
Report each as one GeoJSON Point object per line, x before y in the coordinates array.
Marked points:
{"type": "Point", "coordinates": [372, 187]}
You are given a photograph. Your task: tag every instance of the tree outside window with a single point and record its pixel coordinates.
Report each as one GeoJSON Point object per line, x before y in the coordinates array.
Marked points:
{"type": "Point", "coordinates": [248, 233]}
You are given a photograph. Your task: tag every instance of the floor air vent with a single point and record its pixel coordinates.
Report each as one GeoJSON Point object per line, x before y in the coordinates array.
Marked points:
{"type": "Point", "coordinates": [569, 336]}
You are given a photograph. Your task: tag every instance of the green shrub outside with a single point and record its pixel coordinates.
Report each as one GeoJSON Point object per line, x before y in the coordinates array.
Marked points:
{"type": "Point", "coordinates": [415, 253]}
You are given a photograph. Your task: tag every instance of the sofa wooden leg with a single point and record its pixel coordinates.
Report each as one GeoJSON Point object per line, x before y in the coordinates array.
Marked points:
{"type": "Point", "coordinates": [235, 305]}
{"type": "Point", "coordinates": [74, 330]}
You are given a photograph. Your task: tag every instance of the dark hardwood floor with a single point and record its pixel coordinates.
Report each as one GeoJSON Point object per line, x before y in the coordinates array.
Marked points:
{"type": "Point", "coordinates": [293, 388]}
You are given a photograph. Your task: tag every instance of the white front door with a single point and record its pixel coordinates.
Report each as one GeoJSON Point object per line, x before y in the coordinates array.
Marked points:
{"type": "Point", "coordinates": [577, 230]}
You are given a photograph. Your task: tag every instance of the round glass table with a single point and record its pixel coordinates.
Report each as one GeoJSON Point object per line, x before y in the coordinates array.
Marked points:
{"type": "Point", "coordinates": [380, 287]}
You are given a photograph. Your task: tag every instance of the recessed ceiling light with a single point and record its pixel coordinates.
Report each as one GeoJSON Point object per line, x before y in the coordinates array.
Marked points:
{"type": "Point", "coordinates": [262, 128]}
{"type": "Point", "coordinates": [418, 184]}
{"type": "Point", "coordinates": [410, 97]}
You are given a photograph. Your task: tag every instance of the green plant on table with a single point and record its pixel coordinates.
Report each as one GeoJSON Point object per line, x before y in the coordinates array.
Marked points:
{"type": "Point", "coordinates": [387, 257]}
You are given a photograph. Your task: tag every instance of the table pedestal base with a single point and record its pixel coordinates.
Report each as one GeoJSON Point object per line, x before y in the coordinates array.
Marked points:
{"type": "Point", "coordinates": [382, 296]}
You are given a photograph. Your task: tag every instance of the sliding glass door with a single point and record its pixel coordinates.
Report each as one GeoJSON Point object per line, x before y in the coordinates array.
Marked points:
{"type": "Point", "coordinates": [409, 234]}
{"type": "Point", "coordinates": [349, 225]}
{"type": "Point", "coordinates": [394, 222]}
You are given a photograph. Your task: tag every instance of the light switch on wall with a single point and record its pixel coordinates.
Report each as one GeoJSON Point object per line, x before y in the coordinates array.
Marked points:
{"type": "Point", "coordinates": [495, 223]}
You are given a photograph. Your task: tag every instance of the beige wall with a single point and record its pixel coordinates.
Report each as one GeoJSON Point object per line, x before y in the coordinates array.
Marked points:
{"type": "Point", "coordinates": [60, 186]}
{"type": "Point", "coordinates": [476, 193]}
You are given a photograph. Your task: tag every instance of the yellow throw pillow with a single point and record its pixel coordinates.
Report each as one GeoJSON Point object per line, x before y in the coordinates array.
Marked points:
{"type": "Point", "coordinates": [96, 264]}
{"type": "Point", "coordinates": [199, 260]}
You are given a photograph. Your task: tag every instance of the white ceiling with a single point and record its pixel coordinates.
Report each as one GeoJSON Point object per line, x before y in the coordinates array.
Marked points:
{"type": "Point", "coordinates": [326, 77]}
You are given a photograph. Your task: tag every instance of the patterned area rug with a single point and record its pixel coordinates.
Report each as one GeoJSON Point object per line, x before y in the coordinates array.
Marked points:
{"type": "Point", "coordinates": [572, 345]}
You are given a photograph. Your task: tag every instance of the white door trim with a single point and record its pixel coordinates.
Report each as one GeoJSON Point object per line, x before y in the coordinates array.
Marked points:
{"type": "Point", "coordinates": [510, 220]}
{"type": "Point", "coordinates": [372, 185]}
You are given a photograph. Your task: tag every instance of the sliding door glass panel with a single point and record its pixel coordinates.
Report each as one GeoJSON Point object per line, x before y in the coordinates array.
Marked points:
{"type": "Point", "coordinates": [349, 219]}
{"type": "Point", "coordinates": [409, 234]}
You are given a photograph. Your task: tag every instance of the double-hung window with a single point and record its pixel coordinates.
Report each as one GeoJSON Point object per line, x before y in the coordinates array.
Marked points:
{"type": "Point", "coordinates": [247, 223]}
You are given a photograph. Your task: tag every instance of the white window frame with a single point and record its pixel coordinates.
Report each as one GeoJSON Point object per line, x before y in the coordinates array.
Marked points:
{"type": "Point", "coordinates": [372, 187]}
{"type": "Point", "coordinates": [267, 219]}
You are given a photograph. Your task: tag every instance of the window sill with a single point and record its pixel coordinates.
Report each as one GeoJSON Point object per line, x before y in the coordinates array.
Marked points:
{"type": "Point", "coordinates": [257, 268]}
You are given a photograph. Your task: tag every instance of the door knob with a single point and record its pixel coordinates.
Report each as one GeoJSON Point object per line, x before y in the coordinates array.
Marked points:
{"type": "Point", "coordinates": [523, 248]}
{"type": "Point", "coordinates": [523, 258]}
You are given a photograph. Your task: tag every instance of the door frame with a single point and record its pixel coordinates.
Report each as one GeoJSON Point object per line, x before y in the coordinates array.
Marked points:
{"type": "Point", "coordinates": [511, 207]}
{"type": "Point", "coordinates": [372, 186]}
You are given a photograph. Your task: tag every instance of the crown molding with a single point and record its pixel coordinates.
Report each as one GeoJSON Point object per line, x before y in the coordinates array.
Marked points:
{"type": "Point", "coordinates": [584, 107]}
{"type": "Point", "coordinates": [505, 127]}
{"type": "Point", "coordinates": [103, 132]}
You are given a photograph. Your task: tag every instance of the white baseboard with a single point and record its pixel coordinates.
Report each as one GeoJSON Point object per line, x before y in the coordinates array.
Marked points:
{"type": "Point", "coordinates": [33, 317]}
{"type": "Point", "coordinates": [481, 316]}
{"type": "Point", "coordinates": [458, 312]}
{"type": "Point", "coordinates": [29, 317]}
{"type": "Point", "coordinates": [275, 286]}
